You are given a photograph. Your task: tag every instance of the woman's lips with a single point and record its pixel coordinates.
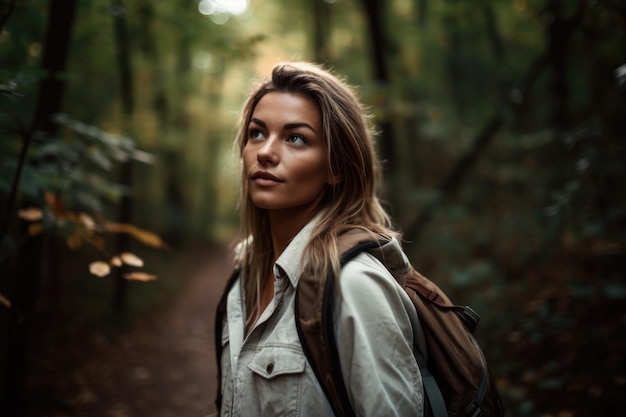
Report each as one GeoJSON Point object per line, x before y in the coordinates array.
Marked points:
{"type": "Point", "coordinates": [265, 179]}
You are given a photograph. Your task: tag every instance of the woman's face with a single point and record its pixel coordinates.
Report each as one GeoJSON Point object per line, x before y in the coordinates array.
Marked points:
{"type": "Point", "coordinates": [284, 156]}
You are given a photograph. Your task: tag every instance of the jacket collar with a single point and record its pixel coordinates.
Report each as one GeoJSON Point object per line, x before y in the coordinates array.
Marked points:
{"type": "Point", "coordinates": [291, 261]}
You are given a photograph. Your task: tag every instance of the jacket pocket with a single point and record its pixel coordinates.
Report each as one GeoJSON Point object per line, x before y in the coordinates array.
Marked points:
{"type": "Point", "coordinates": [279, 374]}
{"type": "Point", "coordinates": [272, 362]}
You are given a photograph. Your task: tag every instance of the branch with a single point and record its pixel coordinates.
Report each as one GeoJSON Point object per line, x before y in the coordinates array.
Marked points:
{"type": "Point", "coordinates": [453, 180]}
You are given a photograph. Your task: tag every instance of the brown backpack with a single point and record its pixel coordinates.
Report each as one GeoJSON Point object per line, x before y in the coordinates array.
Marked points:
{"type": "Point", "coordinates": [456, 379]}
{"type": "Point", "coordinates": [454, 371]}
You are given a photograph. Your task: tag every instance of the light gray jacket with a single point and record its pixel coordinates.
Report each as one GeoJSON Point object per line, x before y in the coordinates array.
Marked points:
{"type": "Point", "coordinates": [267, 374]}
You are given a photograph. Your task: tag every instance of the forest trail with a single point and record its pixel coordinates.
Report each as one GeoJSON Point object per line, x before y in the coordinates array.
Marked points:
{"type": "Point", "coordinates": [163, 365]}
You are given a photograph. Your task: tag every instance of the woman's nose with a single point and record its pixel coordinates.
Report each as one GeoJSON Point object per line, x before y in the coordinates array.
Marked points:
{"type": "Point", "coordinates": [268, 152]}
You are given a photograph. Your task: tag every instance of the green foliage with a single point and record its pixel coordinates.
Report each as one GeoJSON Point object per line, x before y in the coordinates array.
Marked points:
{"type": "Point", "coordinates": [76, 166]}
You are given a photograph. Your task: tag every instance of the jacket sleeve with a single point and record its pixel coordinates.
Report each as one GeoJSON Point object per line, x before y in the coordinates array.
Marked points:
{"type": "Point", "coordinates": [375, 339]}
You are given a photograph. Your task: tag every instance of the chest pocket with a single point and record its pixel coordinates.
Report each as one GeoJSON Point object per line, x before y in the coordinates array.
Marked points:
{"type": "Point", "coordinates": [272, 362]}
{"type": "Point", "coordinates": [278, 374]}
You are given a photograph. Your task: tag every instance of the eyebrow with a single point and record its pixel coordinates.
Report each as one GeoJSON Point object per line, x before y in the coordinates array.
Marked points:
{"type": "Point", "coordinates": [288, 126]}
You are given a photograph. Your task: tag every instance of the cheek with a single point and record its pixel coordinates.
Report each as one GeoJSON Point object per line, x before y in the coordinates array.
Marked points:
{"type": "Point", "coordinates": [248, 158]}
{"type": "Point", "coordinates": [315, 172]}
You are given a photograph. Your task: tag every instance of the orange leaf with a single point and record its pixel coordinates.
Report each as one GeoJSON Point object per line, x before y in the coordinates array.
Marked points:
{"type": "Point", "coordinates": [30, 214]}
{"type": "Point", "coordinates": [35, 229]}
{"type": "Point", "coordinates": [96, 241]}
{"type": "Point", "coordinates": [140, 276]}
{"type": "Point", "coordinates": [54, 203]}
{"type": "Point", "coordinates": [87, 221]}
{"type": "Point", "coordinates": [131, 259]}
{"type": "Point", "coordinates": [144, 236]}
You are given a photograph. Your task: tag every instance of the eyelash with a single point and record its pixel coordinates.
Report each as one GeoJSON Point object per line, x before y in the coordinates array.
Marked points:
{"type": "Point", "coordinates": [304, 140]}
{"type": "Point", "coordinates": [252, 134]}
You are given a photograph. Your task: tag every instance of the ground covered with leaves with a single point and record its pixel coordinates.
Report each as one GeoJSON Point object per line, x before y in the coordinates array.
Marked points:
{"type": "Point", "coordinates": [555, 339]}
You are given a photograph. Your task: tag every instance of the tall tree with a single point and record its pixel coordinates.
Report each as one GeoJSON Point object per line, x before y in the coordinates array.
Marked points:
{"type": "Point", "coordinates": [122, 43]}
{"type": "Point", "coordinates": [24, 293]}
{"type": "Point", "coordinates": [321, 31]}
{"type": "Point", "coordinates": [375, 14]}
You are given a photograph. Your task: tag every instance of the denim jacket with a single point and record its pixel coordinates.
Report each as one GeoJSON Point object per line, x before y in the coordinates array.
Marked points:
{"type": "Point", "coordinates": [267, 373]}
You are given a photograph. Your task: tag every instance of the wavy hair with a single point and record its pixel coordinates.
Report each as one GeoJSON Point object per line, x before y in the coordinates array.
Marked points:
{"type": "Point", "coordinates": [351, 203]}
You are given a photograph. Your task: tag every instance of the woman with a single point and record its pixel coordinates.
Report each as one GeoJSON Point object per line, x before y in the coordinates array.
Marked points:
{"type": "Point", "coordinates": [308, 176]}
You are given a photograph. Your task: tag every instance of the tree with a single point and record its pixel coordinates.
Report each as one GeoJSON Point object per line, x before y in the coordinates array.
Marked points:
{"type": "Point", "coordinates": [28, 272]}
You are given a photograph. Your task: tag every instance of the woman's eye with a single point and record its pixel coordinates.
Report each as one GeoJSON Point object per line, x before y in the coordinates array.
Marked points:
{"type": "Point", "coordinates": [255, 134]}
{"type": "Point", "coordinates": [297, 139]}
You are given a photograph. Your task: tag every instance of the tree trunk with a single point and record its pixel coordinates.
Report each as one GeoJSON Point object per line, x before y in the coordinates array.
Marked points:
{"type": "Point", "coordinates": [126, 173]}
{"type": "Point", "coordinates": [375, 17]}
{"type": "Point", "coordinates": [493, 32]}
{"type": "Point", "coordinates": [25, 289]}
{"type": "Point", "coordinates": [422, 12]}
{"type": "Point", "coordinates": [149, 48]}
{"type": "Point", "coordinates": [321, 30]}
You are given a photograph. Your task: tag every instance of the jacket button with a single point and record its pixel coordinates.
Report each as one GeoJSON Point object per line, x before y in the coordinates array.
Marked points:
{"type": "Point", "coordinates": [269, 368]}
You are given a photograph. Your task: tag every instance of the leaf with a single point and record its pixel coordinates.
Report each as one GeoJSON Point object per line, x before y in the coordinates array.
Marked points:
{"type": "Point", "coordinates": [99, 268]}
{"type": "Point", "coordinates": [140, 276]}
{"type": "Point", "coordinates": [131, 259]}
{"type": "Point", "coordinates": [35, 229]}
{"type": "Point", "coordinates": [54, 203]}
{"type": "Point", "coordinates": [5, 301]}
{"type": "Point", "coordinates": [87, 221]}
{"type": "Point", "coordinates": [99, 158]}
{"type": "Point", "coordinates": [144, 236]}
{"type": "Point", "coordinates": [30, 214]}
{"type": "Point", "coordinates": [142, 156]}
{"type": "Point", "coordinates": [116, 261]}
{"type": "Point", "coordinates": [74, 241]}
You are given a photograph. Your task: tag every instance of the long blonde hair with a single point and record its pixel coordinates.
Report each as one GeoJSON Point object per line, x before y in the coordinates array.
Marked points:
{"type": "Point", "coordinates": [350, 204]}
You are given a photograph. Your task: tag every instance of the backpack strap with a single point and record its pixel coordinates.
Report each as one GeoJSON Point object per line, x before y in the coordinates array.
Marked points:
{"type": "Point", "coordinates": [314, 321]}
{"type": "Point", "coordinates": [433, 396]}
{"type": "Point", "coordinates": [220, 314]}
{"type": "Point", "coordinates": [319, 341]}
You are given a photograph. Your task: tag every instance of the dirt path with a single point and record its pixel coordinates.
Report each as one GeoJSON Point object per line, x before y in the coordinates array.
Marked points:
{"type": "Point", "coordinates": [163, 366]}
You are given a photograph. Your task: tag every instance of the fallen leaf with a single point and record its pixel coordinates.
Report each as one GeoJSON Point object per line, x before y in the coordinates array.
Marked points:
{"type": "Point", "coordinates": [99, 268]}
{"type": "Point", "coordinates": [140, 276]}
{"type": "Point", "coordinates": [131, 259]}
{"type": "Point", "coordinates": [30, 214]}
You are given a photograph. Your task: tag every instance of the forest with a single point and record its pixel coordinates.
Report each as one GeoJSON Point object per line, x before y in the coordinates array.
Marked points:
{"type": "Point", "coordinates": [501, 125]}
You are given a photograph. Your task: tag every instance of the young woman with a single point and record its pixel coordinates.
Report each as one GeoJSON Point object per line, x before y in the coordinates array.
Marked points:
{"type": "Point", "coordinates": [308, 176]}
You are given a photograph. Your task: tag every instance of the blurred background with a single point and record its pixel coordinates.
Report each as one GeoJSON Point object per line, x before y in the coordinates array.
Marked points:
{"type": "Point", "coordinates": [502, 129]}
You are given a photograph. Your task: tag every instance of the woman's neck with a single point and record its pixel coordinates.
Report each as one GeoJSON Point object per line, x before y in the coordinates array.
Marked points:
{"type": "Point", "coordinates": [284, 226]}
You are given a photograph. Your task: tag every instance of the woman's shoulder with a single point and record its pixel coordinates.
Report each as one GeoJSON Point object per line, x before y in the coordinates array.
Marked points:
{"type": "Point", "coordinates": [367, 273]}
{"type": "Point", "coordinates": [385, 258]}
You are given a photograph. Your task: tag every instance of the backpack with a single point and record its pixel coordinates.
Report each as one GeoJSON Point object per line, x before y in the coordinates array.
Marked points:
{"type": "Point", "coordinates": [455, 375]}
